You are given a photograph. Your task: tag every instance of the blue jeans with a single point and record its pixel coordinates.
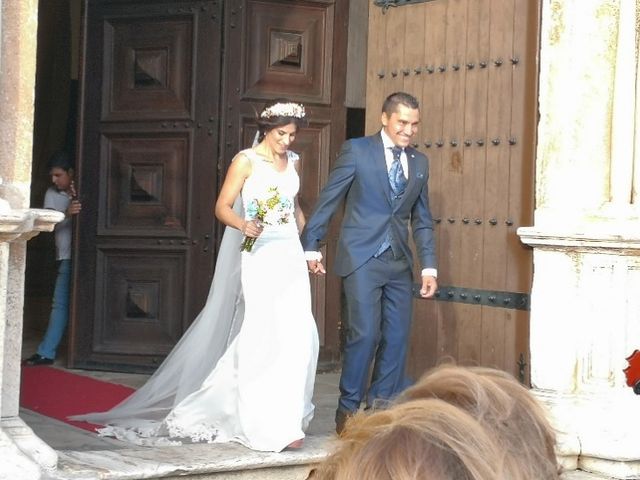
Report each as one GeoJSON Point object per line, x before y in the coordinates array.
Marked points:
{"type": "Point", "coordinates": [59, 316]}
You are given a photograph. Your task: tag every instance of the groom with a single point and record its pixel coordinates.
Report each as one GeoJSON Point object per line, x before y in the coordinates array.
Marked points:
{"type": "Point", "coordinates": [384, 184]}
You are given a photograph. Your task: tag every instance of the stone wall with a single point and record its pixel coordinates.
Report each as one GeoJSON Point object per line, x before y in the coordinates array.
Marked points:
{"type": "Point", "coordinates": [585, 312]}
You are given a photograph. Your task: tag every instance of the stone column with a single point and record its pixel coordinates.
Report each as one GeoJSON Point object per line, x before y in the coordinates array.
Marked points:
{"type": "Point", "coordinates": [585, 302]}
{"type": "Point", "coordinates": [24, 455]}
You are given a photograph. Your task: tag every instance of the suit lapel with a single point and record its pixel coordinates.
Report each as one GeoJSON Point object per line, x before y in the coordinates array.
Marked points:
{"type": "Point", "coordinates": [380, 165]}
{"type": "Point", "coordinates": [411, 163]}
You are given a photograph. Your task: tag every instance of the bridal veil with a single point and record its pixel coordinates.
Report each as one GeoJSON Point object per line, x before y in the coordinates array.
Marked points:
{"type": "Point", "coordinates": [193, 357]}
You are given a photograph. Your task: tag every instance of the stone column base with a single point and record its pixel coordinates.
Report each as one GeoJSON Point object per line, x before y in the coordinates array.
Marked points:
{"type": "Point", "coordinates": [584, 324]}
{"type": "Point", "coordinates": [24, 455]}
{"type": "Point", "coordinates": [596, 433]}
{"type": "Point", "coordinates": [15, 464]}
{"type": "Point", "coordinates": [30, 446]}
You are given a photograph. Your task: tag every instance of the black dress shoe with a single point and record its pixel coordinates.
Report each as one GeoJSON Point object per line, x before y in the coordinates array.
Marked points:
{"type": "Point", "coordinates": [37, 359]}
{"type": "Point", "coordinates": [341, 419]}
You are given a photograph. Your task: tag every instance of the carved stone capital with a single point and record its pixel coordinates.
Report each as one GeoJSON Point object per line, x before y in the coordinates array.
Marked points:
{"type": "Point", "coordinates": [24, 224]}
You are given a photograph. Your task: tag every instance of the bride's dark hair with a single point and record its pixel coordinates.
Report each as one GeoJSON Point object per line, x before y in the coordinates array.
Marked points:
{"type": "Point", "coordinates": [278, 113]}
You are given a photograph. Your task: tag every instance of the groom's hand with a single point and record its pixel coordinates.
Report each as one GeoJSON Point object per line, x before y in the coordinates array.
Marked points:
{"type": "Point", "coordinates": [429, 286]}
{"type": "Point", "coordinates": [316, 267]}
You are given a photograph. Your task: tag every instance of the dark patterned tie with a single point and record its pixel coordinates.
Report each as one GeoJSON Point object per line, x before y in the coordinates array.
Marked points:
{"type": "Point", "coordinates": [397, 180]}
{"type": "Point", "coordinates": [398, 183]}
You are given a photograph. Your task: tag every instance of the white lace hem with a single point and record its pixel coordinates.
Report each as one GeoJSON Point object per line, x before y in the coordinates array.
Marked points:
{"type": "Point", "coordinates": [168, 433]}
{"type": "Point", "coordinates": [142, 437]}
{"type": "Point", "coordinates": [203, 432]}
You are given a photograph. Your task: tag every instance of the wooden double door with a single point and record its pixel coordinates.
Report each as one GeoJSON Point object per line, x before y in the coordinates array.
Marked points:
{"type": "Point", "coordinates": [169, 94]}
{"type": "Point", "coordinates": [473, 66]}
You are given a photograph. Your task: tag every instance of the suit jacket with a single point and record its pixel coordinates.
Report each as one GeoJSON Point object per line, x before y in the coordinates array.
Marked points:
{"type": "Point", "coordinates": [360, 178]}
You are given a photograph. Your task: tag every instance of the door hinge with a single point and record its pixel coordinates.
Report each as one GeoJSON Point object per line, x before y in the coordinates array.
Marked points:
{"type": "Point", "coordinates": [487, 298]}
{"type": "Point", "coordinates": [522, 366]}
{"type": "Point", "coordinates": [385, 4]}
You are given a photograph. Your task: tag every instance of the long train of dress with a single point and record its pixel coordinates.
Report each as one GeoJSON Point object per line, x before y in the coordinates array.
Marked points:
{"type": "Point", "coordinates": [244, 370]}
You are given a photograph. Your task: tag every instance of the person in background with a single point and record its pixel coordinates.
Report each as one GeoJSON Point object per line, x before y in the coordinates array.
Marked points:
{"type": "Point", "coordinates": [61, 196]}
{"type": "Point", "coordinates": [454, 423]}
{"type": "Point", "coordinates": [505, 407]}
{"type": "Point", "coordinates": [416, 440]}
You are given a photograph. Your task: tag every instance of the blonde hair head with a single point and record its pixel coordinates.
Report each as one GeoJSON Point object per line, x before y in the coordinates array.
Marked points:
{"type": "Point", "coordinates": [420, 439]}
{"type": "Point", "coordinates": [505, 407]}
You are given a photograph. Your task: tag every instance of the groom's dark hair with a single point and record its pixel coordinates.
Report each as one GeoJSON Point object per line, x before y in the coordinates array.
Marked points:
{"type": "Point", "coordinates": [391, 103]}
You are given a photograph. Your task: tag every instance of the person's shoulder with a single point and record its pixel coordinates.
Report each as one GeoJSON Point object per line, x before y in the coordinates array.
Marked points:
{"type": "Point", "coordinates": [242, 163]}
{"type": "Point", "coordinates": [365, 140]}
{"type": "Point", "coordinates": [55, 200]}
{"type": "Point", "coordinates": [246, 153]}
{"type": "Point", "coordinates": [359, 143]}
{"type": "Point", "coordinates": [244, 157]}
{"type": "Point", "coordinates": [54, 195]}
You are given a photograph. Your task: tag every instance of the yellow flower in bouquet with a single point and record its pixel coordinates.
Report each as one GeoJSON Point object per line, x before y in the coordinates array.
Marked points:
{"type": "Point", "coordinates": [273, 210]}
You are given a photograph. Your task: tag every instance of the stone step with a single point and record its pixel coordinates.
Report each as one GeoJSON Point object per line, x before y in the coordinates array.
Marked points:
{"type": "Point", "coordinates": [200, 461]}
{"type": "Point", "coordinates": [207, 462]}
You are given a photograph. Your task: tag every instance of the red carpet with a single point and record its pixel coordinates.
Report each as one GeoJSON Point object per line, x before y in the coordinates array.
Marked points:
{"type": "Point", "coordinates": [57, 394]}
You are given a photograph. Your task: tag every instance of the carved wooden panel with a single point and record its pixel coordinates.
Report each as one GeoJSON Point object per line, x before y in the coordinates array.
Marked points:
{"type": "Point", "coordinates": [312, 143]}
{"type": "Point", "coordinates": [142, 295]}
{"type": "Point", "coordinates": [147, 178]}
{"type": "Point", "coordinates": [148, 68]}
{"type": "Point", "coordinates": [288, 51]}
{"type": "Point", "coordinates": [147, 183]}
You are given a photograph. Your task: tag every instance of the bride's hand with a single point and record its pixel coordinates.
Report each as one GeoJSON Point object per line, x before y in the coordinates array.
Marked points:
{"type": "Point", "coordinates": [316, 267]}
{"type": "Point", "coordinates": [252, 228]}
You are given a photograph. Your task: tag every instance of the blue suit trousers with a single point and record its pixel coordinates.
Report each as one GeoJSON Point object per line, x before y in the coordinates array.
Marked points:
{"type": "Point", "coordinates": [379, 307]}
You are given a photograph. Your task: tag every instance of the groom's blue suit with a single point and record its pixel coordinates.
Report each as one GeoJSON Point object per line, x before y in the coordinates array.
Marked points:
{"type": "Point", "coordinates": [378, 288]}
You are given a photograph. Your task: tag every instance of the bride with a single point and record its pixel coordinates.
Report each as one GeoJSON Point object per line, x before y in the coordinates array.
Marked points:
{"type": "Point", "coordinates": [245, 369]}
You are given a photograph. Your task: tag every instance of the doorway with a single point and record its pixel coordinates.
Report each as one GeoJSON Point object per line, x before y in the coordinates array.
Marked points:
{"type": "Point", "coordinates": [55, 118]}
{"type": "Point", "coordinates": [153, 142]}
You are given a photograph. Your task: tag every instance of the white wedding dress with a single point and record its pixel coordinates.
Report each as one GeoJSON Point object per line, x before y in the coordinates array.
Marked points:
{"type": "Point", "coordinates": [245, 369]}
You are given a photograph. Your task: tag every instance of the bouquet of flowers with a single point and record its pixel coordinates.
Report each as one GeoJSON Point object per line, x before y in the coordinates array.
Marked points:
{"type": "Point", "coordinates": [273, 210]}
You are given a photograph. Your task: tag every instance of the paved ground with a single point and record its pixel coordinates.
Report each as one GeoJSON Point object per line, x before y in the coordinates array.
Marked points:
{"type": "Point", "coordinates": [76, 445]}
{"type": "Point", "coordinates": [62, 436]}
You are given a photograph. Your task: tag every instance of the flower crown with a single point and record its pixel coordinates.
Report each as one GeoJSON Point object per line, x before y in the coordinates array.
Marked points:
{"type": "Point", "coordinates": [294, 110]}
